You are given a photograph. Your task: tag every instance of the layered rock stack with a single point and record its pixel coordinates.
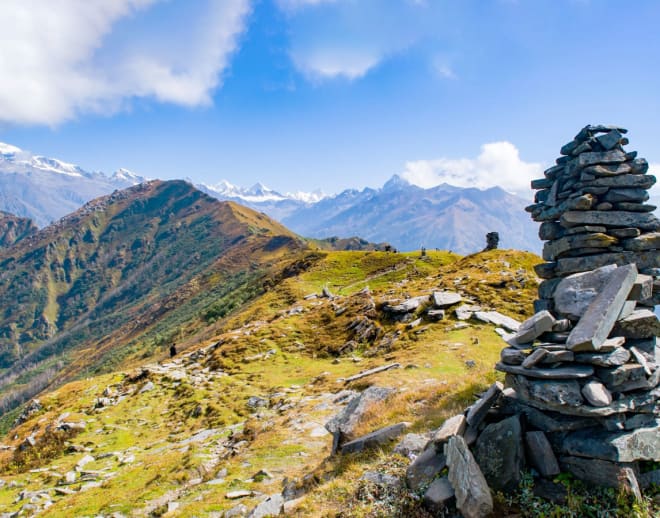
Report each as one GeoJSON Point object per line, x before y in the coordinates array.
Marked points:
{"type": "Point", "coordinates": [585, 368]}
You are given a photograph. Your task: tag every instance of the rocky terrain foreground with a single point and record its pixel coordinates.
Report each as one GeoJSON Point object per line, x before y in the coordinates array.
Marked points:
{"type": "Point", "coordinates": [384, 384]}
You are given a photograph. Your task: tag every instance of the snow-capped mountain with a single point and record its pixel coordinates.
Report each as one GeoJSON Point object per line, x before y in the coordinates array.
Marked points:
{"type": "Point", "coordinates": [407, 216]}
{"type": "Point", "coordinates": [262, 198]}
{"type": "Point", "coordinates": [45, 189]}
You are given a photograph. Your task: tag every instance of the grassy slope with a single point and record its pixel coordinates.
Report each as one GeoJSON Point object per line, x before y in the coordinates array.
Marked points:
{"type": "Point", "coordinates": [289, 443]}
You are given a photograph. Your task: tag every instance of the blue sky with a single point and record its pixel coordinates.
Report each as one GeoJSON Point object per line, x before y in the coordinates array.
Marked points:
{"type": "Point", "coordinates": [326, 94]}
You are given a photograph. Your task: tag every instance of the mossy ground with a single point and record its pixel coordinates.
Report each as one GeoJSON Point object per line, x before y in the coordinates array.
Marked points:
{"type": "Point", "coordinates": [193, 438]}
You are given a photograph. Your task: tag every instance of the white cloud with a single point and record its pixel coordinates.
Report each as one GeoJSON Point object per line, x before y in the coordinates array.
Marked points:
{"type": "Point", "coordinates": [349, 38]}
{"type": "Point", "coordinates": [498, 164]}
{"type": "Point", "coordinates": [59, 61]}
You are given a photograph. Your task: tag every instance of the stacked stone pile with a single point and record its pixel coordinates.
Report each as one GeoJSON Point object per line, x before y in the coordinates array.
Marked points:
{"type": "Point", "coordinates": [582, 381]}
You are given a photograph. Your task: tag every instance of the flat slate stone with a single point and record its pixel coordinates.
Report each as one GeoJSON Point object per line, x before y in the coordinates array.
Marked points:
{"type": "Point", "coordinates": [569, 372]}
{"type": "Point", "coordinates": [558, 393]}
{"type": "Point", "coordinates": [599, 318]}
{"type": "Point", "coordinates": [512, 356]}
{"type": "Point", "coordinates": [573, 294]}
{"type": "Point", "coordinates": [453, 426]}
{"type": "Point", "coordinates": [644, 260]}
{"type": "Point", "coordinates": [641, 220]}
{"type": "Point", "coordinates": [604, 157]}
{"type": "Point", "coordinates": [547, 420]}
{"type": "Point", "coordinates": [540, 454]}
{"type": "Point", "coordinates": [479, 409]}
{"type": "Point", "coordinates": [374, 439]}
{"type": "Point", "coordinates": [624, 194]}
{"type": "Point", "coordinates": [534, 327]}
{"type": "Point", "coordinates": [614, 377]}
{"type": "Point", "coordinates": [407, 306]}
{"type": "Point", "coordinates": [595, 471]}
{"type": "Point", "coordinates": [648, 241]}
{"type": "Point", "coordinates": [493, 317]}
{"type": "Point", "coordinates": [558, 247]}
{"type": "Point", "coordinates": [641, 324]}
{"type": "Point", "coordinates": [627, 446]}
{"type": "Point", "coordinates": [473, 498]}
{"type": "Point", "coordinates": [444, 299]}
{"type": "Point", "coordinates": [615, 358]}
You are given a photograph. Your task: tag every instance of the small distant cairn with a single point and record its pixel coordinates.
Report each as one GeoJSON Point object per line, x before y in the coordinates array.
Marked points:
{"type": "Point", "coordinates": [492, 241]}
{"type": "Point", "coordinates": [585, 368]}
{"type": "Point", "coordinates": [582, 376]}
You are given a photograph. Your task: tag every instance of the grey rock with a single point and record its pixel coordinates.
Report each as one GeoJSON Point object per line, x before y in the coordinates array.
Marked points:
{"type": "Point", "coordinates": [465, 311]}
{"type": "Point", "coordinates": [610, 140]}
{"type": "Point", "coordinates": [493, 317]}
{"type": "Point", "coordinates": [556, 393]}
{"type": "Point", "coordinates": [236, 511]}
{"type": "Point", "coordinates": [479, 409]}
{"type": "Point", "coordinates": [648, 241]}
{"type": "Point", "coordinates": [596, 393]}
{"type": "Point", "coordinates": [148, 386]}
{"type": "Point", "coordinates": [408, 306]}
{"type": "Point", "coordinates": [641, 359]}
{"type": "Point", "coordinates": [500, 455]}
{"type": "Point", "coordinates": [627, 446]}
{"type": "Point", "coordinates": [557, 248]}
{"type": "Point", "coordinates": [606, 171]}
{"type": "Point", "coordinates": [595, 471]}
{"type": "Point", "coordinates": [613, 359]}
{"type": "Point", "coordinates": [651, 477]}
{"type": "Point", "coordinates": [599, 318]}
{"type": "Point", "coordinates": [628, 308]}
{"type": "Point", "coordinates": [643, 221]}
{"type": "Point", "coordinates": [381, 479]}
{"type": "Point", "coordinates": [425, 468]}
{"type": "Point", "coordinates": [272, 506]}
{"type": "Point", "coordinates": [642, 289]}
{"type": "Point", "coordinates": [534, 327]}
{"type": "Point", "coordinates": [438, 495]}
{"type": "Point", "coordinates": [257, 402]}
{"type": "Point", "coordinates": [436, 314]}
{"type": "Point", "coordinates": [374, 439]}
{"type": "Point", "coordinates": [613, 378]}
{"type": "Point", "coordinates": [622, 233]}
{"type": "Point", "coordinates": [512, 356]}
{"type": "Point", "coordinates": [540, 454]}
{"type": "Point", "coordinates": [569, 372]}
{"type": "Point", "coordinates": [641, 324]}
{"type": "Point", "coordinates": [453, 426]}
{"type": "Point", "coordinates": [553, 357]}
{"type": "Point", "coordinates": [617, 195]}
{"type": "Point", "coordinates": [444, 299]}
{"type": "Point", "coordinates": [605, 157]}
{"type": "Point", "coordinates": [548, 421]}
{"type": "Point", "coordinates": [643, 260]}
{"type": "Point", "coordinates": [574, 293]}
{"type": "Point", "coordinates": [411, 445]}
{"type": "Point", "coordinates": [473, 498]}
{"type": "Point", "coordinates": [346, 421]}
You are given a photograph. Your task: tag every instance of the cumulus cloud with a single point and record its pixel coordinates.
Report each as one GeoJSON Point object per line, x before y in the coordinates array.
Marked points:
{"type": "Point", "coordinates": [347, 38]}
{"type": "Point", "coordinates": [59, 61]}
{"type": "Point", "coordinates": [498, 164]}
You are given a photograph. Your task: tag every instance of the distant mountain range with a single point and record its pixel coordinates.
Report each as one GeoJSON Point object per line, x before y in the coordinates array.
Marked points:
{"type": "Point", "coordinates": [407, 216]}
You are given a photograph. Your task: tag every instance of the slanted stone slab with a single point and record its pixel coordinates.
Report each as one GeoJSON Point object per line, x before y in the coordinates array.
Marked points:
{"type": "Point", "coordinates": [537, 356]}
{"type": "Point", "coordinates": [374, 439]}
{"type": "Point", "coordinates": [641, 359]}
{"type": "Point", "coordinates": [500, 455]}
{"type": "Point", "coordinates": [473, 498]}
{"type": "Point", "coordinates": [627, 446]}
{"type": "Point", "coordinates": [493, 317]}
{"type": "Point", "coordinates": [407, 306]}
{"type": "Point", "coordinates": [612, 218]}
{"type": "Point", "coordinates": [615, 358]}
{"type": "Point", "coordinates": [569, 372]}
{"type": "Point", "coordinates": [599, 318]}
{"type": "Point", "coordinates": [540, 454]}
{"type": "Point", "coordinates": [594, 471]}
{"type": "Point", "coordinates": [478, 410]}
{"type": "Point", "coordinates": [534, 327]}
{"type": "Point", "coordinates": [271, 506]}
{"type": "Point", "coordinates": [444, 299]}
{"type": "Point", "coordinates": [465, 311]}
{"type": "Point", "coordinates": [641, 324]}
{"type": "Point", "coordinates": [596, 393]}
{"type": "Point", "coordinates": [438, 495]}
{"type": "Point", "coordinates": [347, 420]}
{"type": "Point", "coordinates": [557, 357]}
{"type": "Point", "coordinates": [425, 468]}
{"type": "Point", "coordinates": [453, 426]}
{"type": "Point", "coordinates": [574, 293]}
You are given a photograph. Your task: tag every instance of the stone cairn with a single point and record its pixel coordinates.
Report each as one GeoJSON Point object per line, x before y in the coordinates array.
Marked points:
{"type": "Point", "coordinates": [581, 388]}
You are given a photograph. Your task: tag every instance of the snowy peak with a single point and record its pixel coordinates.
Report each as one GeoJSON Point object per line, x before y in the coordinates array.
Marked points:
{"type": "Point", "coordinates": [260, 193]}
{"type": "Point", "coordinates": [8, 149]}
{"type": "Point", "coordinates": [124, 175]}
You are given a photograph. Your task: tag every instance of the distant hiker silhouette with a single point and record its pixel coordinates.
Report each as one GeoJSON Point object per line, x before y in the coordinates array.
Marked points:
{"type": "Point", "coordinates": [172, 350]}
